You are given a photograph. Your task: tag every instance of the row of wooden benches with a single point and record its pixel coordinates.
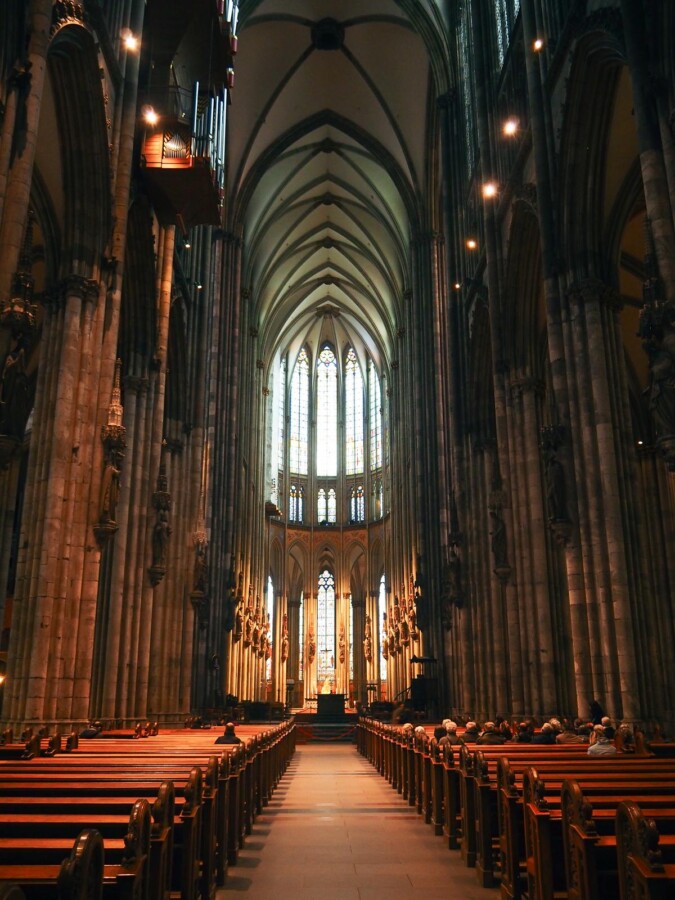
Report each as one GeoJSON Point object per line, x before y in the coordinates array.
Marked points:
{"type": "Point", "coordinates": [540, 821]}
{"type": "Point", "coordinates": [145, 820]}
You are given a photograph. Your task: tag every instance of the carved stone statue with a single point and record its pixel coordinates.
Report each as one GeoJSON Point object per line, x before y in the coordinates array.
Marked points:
{"type": "Point", "coordinates": [230, 605]}
{"type": "Point", "coordinates": [412, 621]}
{"type": "Point", "coordinates": [238, 629]}
{"type": "Point", "coordinates": [498, 539]}
{"type": "Point", "coordinates": [342, 643]}
{"type": "Point", "coordinates": [14, 393]}
{"type": "Point", "coordinates": [201, 568]}
{"type": "Point", "coordinates": [556, 490]}
{"type": "Point", "coordinates": [368, 641]}
{"type": "Point", "coordinates": [284, 638]}
{"type": "Point", "coordinates": [661, 351]}
{"type": "Point", "coordinates": [311, 645]}
{"type": "Point", "coordinates": [110, 490]}
{"type": "Point", "coordinates": [160, 539]}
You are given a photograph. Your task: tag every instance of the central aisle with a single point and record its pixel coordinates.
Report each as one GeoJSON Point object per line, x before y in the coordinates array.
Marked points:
{"type": "Point", "coordinates": [335, 830]}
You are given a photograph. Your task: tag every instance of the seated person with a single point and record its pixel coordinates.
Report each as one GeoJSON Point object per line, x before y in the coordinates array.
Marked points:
{"type": "Point", "coordinates": [602, 746]}
{"type": "Point", "coordinates": [524, 734]}
{"type": "Point", "coordinates": [229, 737]}
{"type": "Point", "coordinates": [470, 735]}
{"type": "Point", "coordinates": [546, 735]}
{"type": "Point", "coordinates": [568, 735]}
{"type": "Point", "coordinates": [490, 735]}
{"type": "Point", "coordinates": [451, 729]}
{"type": "Point", "coordinates": [92, 730]}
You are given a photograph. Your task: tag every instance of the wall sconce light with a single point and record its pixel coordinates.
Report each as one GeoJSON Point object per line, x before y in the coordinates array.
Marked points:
{"type": "Point", "coordinates": [149, 115]}
{"type": "Point", "coordinates": [510, 127]}
{"type": "Point", "coordinates": [471, 244]}
{"type": "Point", "coordinates": [129, 40]}
{"type": "Point", "coordinates": [489, 190]}
{"type": "Point", "coordinates": [538, 45]}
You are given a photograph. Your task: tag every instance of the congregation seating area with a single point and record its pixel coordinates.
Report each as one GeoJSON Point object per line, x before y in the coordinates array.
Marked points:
{"type": "Point", "coordinates": [542, 822]}
{"type": "Point", "coordinates": [136, 814]}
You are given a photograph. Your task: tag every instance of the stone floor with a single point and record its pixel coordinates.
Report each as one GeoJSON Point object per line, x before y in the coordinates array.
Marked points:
{"type": "Point", "coordinates": [335, 830]}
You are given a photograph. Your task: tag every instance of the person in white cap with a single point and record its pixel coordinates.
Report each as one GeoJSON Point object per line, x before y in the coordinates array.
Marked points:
{"type": "Point", "coordinates": [451, 728]}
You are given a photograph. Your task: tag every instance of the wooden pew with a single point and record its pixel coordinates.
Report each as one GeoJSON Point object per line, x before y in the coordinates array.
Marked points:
{"type": "Point", "coordinates": [545, 834]}
{"type": "Point", "coordinates": [591, 858]}
{"type": "Point", "coordinates": [263, 760]}
{"type": "Point", "coordinates": [83, 875]}
{"type": "Point", "coordinates": [643, 873]}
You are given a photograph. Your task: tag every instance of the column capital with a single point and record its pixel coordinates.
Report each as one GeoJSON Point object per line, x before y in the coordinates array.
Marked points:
{"type": "Point", "coordinates": [589, 290]}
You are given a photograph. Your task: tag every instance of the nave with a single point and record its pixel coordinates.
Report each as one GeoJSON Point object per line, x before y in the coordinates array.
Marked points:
{"type": "Point", "coordinates": [334, 830]}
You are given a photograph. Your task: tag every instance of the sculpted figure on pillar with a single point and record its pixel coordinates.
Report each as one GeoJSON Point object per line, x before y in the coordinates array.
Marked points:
{"type": "Point", "coordinates": [15, 394]}
{"type": "Point", "coordinates": [311, 644]}
{"type": "Point", "coordinates": [160, 538]}
{"type": "Point", "coordinates": [238, 629]}
{"type": "Point", "coordinates": [368, 641]}
{"type": "Point", "coordinates": [661, 350]}
{"type": "Point", "coordinates": [201, 568]}
{"type": "Point", "coordinates": [110, 488]}
{"type": "Point", "coordinates": [230, 604]}
{"type": "Point", "coordinates": [342, 643]}
{"type": "Point", "coordinates": [284, 639]}
{"type": "Point", "coordinates": [412, 620]}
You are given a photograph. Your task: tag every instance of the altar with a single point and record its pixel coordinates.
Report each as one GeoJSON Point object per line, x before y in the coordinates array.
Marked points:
{"type": "Point", "coordinates": [330, 706]}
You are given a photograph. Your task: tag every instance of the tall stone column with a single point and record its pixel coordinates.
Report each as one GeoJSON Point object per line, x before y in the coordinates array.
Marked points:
{"type": "Point", "coordinates": [357, 639]}
{"type": "Point", "coordinates": [610, 587]}
{"type": "Point", "coordinates": [17, 193]}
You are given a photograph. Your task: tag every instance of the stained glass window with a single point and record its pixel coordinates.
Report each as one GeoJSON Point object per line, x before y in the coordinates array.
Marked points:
{"type": "Point", "coordinates": [506, 12]}
{"type": "Point", "coordinates": [300, 415]}
{"type": "Point", "coordinates": [332, 506]}
{"type": "Point", "coordinates": [295, 503]}
{"type": "Point", "coordinates": [321, 514]}
{"type": "Point", "coordinates": [270, 614]}
{"type": "Point", "coordinates": [326, 413]}
{"type": "Point", "coordinates": [375, 396]}
{"type": "Point", "coordinates": [301, 636]}
{"type": "Point", "coordinates": [382, 609]}
{"type": "Point", "coordinates": [357, 504]}
{"type": "Point", "coordinates": [325, 632]}
{"type": "Point", "coordinates": [282, 413]}
{"type": "Point", "coordinates": [466, 80]}
{"type": "Point", "coordinates": [353, 415]}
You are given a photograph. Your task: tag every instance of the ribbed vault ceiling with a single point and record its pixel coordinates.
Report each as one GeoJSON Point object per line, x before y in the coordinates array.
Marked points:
{"type": "Point", "coordinates": [329, 164]}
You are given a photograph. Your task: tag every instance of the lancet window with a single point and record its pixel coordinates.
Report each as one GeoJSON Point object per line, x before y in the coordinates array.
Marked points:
{"type": "Point", "coordinates": [325, 631]}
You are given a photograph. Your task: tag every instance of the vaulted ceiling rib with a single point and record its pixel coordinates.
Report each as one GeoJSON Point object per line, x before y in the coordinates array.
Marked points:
{"type": "Point", "coordinates": [328, 153]}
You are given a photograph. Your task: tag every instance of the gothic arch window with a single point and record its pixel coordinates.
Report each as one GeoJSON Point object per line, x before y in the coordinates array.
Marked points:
{"type": "Point", "coordinates": [281, 408]}
{"type": "Point", "coordinates": [326, 413]}
{"type": "Point", "coordinates": [382, 611]}
{"type": "Point", "coordinates": [301, 636]}
{"type": "Point", "coordinates": [270, 619]}
{"type": "Point", "coordinates": [375, 394]}
{"type": "Point", "coordinates": [353, 415]}
{"type": "Point", "coordinates": [332, 507]}
{"type": "Point", "coordinates": [506, 12]}
{"type": "Point", "coordinates": [299, 437]}
{"type": "Point", "coordinates": [329, 431]}
{"type": "Point", "coordinates": [466, 80]}
{"type": "Point", "coordinates": [296, 496]}
{"type": "Point", "coordinates": [325, 629]}
{"type": "Point", "coordinates": [357, 504]}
